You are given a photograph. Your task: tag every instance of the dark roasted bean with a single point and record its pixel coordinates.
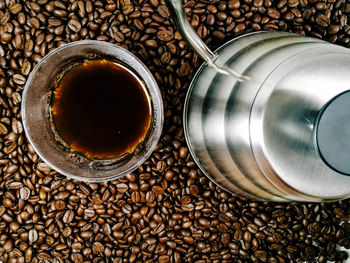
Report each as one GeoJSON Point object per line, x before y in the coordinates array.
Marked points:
{"type": "Point", "coordinates": [15, 8]}
{"type": "Point", "coordinates": [165, 35]}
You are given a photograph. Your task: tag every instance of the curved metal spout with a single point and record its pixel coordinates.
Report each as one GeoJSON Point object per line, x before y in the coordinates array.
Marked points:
{"type": "Point", "coordinates": [188, 33]}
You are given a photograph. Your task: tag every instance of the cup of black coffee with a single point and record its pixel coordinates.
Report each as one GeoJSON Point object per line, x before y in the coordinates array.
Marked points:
{"type": "Point", "coordinates": [92, 111]}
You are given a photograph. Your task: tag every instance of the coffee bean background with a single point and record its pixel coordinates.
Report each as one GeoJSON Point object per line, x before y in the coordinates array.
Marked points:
{"type": "Point", "coordinates": [167, 210]}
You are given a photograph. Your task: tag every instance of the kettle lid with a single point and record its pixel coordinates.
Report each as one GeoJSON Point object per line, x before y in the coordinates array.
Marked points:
{"type": "Point", "coordinates": [333, 133]}
{"type": "Point", "coordinates": [301, 109]}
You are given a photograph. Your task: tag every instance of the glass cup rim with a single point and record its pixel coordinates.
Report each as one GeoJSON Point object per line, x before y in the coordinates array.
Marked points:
{"type": "Point", "coordinates": [36, 91]}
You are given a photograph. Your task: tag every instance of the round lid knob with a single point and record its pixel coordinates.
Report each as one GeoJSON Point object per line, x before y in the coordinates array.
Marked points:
{"type": "Point", "coordinates": [333, 133]}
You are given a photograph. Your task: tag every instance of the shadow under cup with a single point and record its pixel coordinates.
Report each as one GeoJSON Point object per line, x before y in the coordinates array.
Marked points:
{"type": "Point", "coordinates": [39, 127]}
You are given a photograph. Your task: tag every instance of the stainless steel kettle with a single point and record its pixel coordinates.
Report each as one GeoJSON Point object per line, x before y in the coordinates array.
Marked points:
{"type": "Point", "coordinates": [267, 115]}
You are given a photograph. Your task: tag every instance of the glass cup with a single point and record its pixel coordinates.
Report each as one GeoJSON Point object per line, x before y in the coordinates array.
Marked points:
{"type": "Point", "coordinates": [38, 125]}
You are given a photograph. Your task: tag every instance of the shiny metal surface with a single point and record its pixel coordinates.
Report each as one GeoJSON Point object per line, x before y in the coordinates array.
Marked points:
{"type": "Point", "coordinates": [238, 105]}
{"type": "Point", "coordinates": [282, 122]}
{"type": "Point", "coordinates": [250, 111]}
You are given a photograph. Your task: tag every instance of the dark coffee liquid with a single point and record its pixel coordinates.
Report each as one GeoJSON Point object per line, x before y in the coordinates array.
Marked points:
{"type": "Point", "coordinates": [100, 109]}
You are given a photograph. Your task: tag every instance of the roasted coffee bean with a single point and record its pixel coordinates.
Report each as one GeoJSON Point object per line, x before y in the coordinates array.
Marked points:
{"type": "Point", "coordinates": [3, 129]}
{"type": "Point", "coordinates": [68, 216]}
{"type": "Point", "coordinates": [19, 79]}
{"type": "Point", "coordinates": [163, 11]}
{"type": "Point", "coordinates": [165, 35]}
{"type": "Point", "coordinates": [97, 247]}
{"type": "Point", "coordinates": [15, 8]}
{"type": "Point", "coordinates": [33, 236]}
{"type": "Point", "coordinates": [273, 13]}
{"type": "Point", "coordinates": [322, 20]}
{"type": "Point", "coordinates": [74, 25]}
{"type": "Point", "coordinates": [235, 4]}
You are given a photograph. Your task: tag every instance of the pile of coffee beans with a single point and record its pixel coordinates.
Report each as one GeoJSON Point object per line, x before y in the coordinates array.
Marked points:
{"type": "Point", "coordinates": [167, 210]}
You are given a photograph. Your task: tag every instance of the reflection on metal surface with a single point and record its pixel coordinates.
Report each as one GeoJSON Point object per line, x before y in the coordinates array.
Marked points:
{"type": "Point", "coordinates": [256, 133]}
{"type": "Point", "coordinates": [294, 95]}
{"type": "Point", "coordinates": [250, 113]}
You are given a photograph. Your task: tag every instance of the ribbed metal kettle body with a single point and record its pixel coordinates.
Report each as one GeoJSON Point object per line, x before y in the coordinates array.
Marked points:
{"type": "Point", "coordinates": [254, 135]}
